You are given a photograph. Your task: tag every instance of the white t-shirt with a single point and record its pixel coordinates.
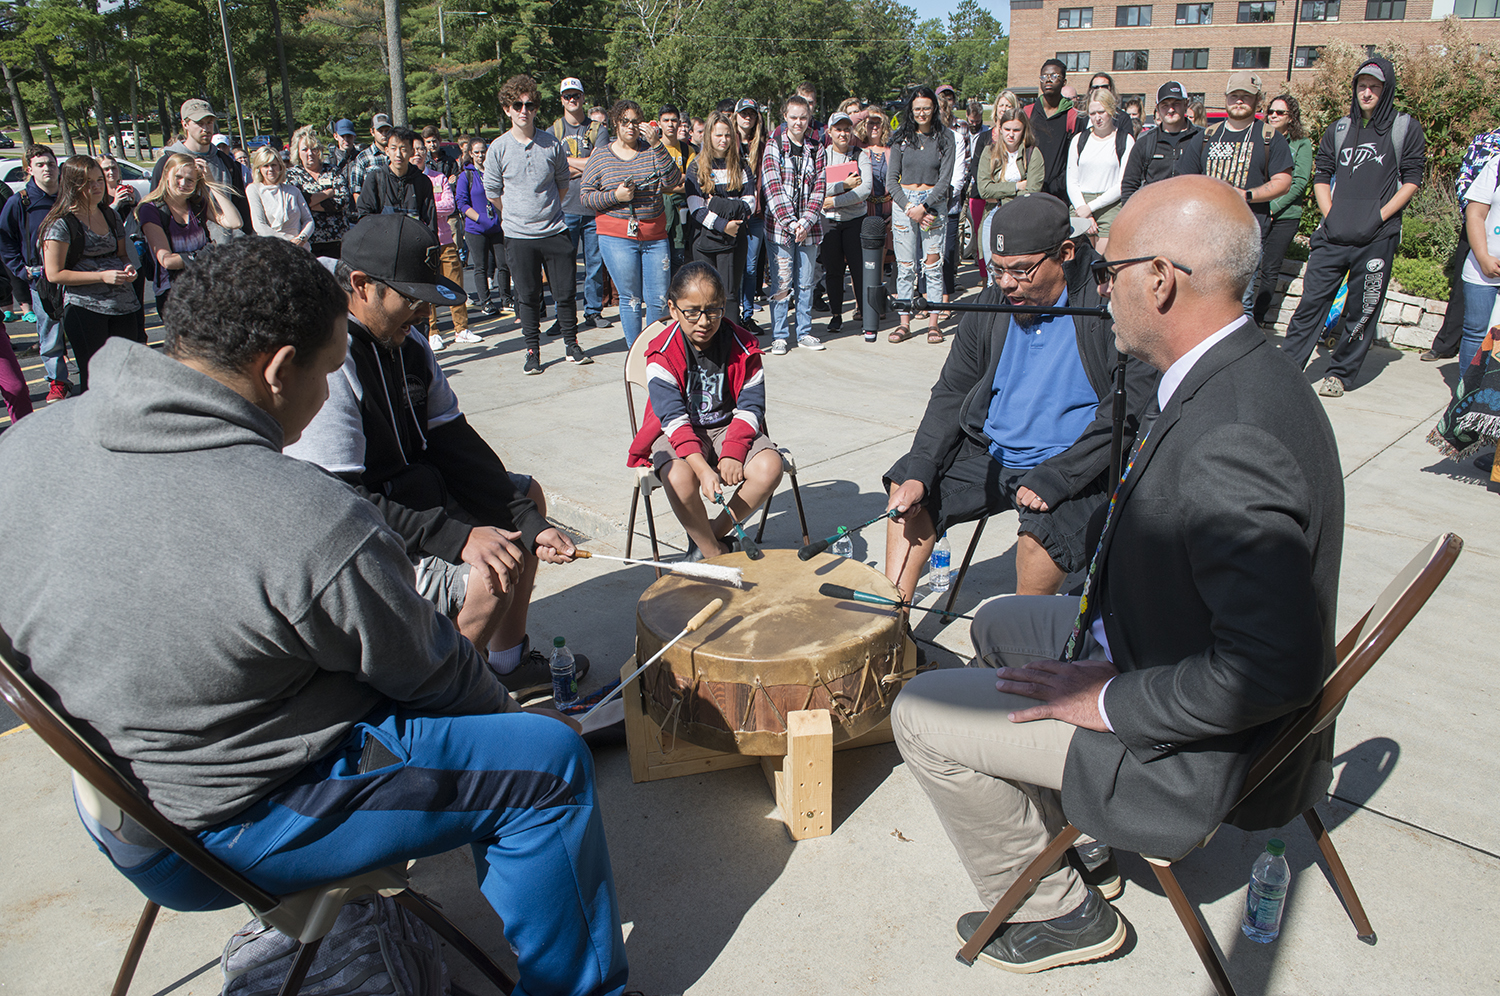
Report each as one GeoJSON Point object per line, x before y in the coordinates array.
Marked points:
{"type": "Point", "coordinates": [1482, 191]}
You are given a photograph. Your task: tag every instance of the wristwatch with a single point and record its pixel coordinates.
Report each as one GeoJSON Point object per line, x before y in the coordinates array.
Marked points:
{"type": "Point", "coordinates": [1247, 196]}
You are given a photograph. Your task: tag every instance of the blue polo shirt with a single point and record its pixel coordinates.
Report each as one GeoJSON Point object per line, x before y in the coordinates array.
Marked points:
{"type": "Point", "coordinates": [1041, 399]}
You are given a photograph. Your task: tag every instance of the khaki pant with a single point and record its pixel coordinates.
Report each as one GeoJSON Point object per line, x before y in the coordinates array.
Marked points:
{"type": "Point", "coordinates": [453, 269]}
{"type": "Point", "coordinates": [996, 784]}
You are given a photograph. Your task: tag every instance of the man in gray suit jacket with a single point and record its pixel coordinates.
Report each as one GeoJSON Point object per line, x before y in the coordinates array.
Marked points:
{"type": "Point", "coordinates": [1207, 616]}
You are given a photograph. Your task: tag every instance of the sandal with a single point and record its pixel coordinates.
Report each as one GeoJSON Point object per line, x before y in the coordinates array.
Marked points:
{"type": "Point", "coordinates": [901, 333]}
{"type": "Point", "coordinates": [935, 336]}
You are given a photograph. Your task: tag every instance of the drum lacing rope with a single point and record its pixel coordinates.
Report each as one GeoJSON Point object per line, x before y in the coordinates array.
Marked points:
{"type": "Point", "coordinates": [673, 718]}
{"type": "Point", "coordinates": [750, 707]}
{"type": "Point", "coordinates": [836, 699]}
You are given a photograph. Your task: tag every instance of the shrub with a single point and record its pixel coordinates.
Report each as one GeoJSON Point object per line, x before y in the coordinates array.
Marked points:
{"type": "Point", "coordinates": [1421, 277]}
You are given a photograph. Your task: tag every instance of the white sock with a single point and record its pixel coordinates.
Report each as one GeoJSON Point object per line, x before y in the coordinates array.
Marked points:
{"type": "Point", "coordinates": [506, 661]}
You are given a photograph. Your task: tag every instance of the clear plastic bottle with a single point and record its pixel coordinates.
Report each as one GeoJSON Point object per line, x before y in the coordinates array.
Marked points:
{"type": "Point", "coordinates": [564, 675]}
{"type": "Point", "coordinates": [942, 557]}
{"type": "Point", "coordinates": [844, 545]}
{"type": "Point", "coordinates": [1265, 900]}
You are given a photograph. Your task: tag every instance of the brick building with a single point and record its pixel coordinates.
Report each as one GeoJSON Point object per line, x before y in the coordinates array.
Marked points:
{"type": "Point", "coordinates": [1141, 45]}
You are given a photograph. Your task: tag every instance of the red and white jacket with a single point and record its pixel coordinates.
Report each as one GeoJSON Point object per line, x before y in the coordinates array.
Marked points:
{"type": "Point", "coordinates": [668, 411]}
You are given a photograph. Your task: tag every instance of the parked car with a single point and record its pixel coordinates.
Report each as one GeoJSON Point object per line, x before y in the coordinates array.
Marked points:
{"type": "Point", "coordinates": [6, 142]}
{"type": "Point", "coordinates": [138, 179]}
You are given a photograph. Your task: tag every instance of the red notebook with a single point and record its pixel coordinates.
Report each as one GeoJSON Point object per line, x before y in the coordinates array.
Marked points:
{"type": "Point", "coordinates": [842, 173]}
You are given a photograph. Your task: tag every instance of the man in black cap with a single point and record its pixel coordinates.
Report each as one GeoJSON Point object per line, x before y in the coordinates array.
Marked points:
{"type": "Point", "coordinates": [393, 429]}
{"type": "Point", "coordinates": [1022, 415]}
{"type": "Point", "coordinates": [1157, 152]}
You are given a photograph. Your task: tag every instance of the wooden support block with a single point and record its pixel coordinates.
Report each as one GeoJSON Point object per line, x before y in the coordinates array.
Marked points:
{"type": "Point", "coordinates": [804, 783]}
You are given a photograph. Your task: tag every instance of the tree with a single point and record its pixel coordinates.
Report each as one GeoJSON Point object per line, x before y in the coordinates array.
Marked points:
{"type": "Point", "coordinates": [971, 53]}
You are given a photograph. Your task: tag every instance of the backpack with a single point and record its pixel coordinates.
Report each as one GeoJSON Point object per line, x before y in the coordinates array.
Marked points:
{"type": "Point", "coordinates": [591, 136]}
{"type": "Point", "coordinates": [375, 946]}
{"type": "Point", "coordinates": [1398, 137]}
{"type": "Point", "coordinates": [51, 294]}
{"type": "Point", "coordinates": [1213, 131]}
{"type": "Point", "coordinates": [1083, 137]}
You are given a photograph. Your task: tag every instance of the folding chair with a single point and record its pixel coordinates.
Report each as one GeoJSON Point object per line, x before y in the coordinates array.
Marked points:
{"type": "Point", "coordinates": [963, 567]}
{"type": "Point", "coordinates": [1356, 653]}
{"type": "Point", "coordinates": [646, 480]}
{"type": "Point", "coordinates": [306, 915]}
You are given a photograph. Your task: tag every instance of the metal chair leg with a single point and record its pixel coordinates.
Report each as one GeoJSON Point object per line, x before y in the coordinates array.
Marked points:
{"type": "Point", "coordinates": [456, 938]}
{"type": "Point", "coordinates": [1017, 893]}
{"type": "Point", "coordinates": [765, 511]}
{"type": "Point", "coordinates": [801, 516]}
{"type": "Point", "coordinates": [963, 568]}
{"type": "Point", "coordinates": [292, 984]}
{"type": "Point", "coordinates": [651, 528]}
{"type": "Point", "coordinates": [635, 499]}
{"type": "Point", "coordinates": [137, 946]}
{"type": "Point", "coordinates": [1341, 880]}
{"type": "Point", "coordinates": [1195, 930]}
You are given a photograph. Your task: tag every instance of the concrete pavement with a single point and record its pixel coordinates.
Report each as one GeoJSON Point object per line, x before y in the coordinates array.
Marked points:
{"type": "Point", "coordinates": [718, 900]}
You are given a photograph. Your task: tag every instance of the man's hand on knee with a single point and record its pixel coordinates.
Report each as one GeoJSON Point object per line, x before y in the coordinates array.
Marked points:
{"type": "Point", "coordinates": [906, 496]}
{"type": "Point", "coordinates": [1068, 692]}
{"type": "Point", "coordinates": [495, 554]}
{"type": "Point", "coordinates": [554, 546]}
{"type": "Point", "coordinates": [1028, 498]}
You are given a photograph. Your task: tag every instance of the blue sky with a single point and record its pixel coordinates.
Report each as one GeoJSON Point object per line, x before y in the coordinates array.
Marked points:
{"type": "Point", "coordinates": [925, 9]}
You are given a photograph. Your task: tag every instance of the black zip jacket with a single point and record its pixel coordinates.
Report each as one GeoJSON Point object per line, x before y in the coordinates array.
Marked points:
{"type": "Point", "coordinates": [410, 194]}
{"type": "Point", "coordinates": [960, 400]}
{"type": "Point", "coordinates": [1155, 157]}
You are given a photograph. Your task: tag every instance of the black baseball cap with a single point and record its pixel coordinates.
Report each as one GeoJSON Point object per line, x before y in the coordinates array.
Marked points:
{"type": "Point", "coordinates": [401, 253]}
{"type": "Point", "coordinates": [1170, 90]}
{"type": "Point", "coordinates": [1031, 223]}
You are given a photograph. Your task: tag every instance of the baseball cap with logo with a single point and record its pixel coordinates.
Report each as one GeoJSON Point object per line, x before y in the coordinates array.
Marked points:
{"type": "Point", "coordinates": [401, 253]}
{"type": "Point", "coordinates": [1371, 69]}
{"type": "Point", "coordinates": [571, 83]}
{"type": "Point", "coordinates": [1243, 80]}
{"type": "Point", "coordinates": [1032, 223]}
{"type": "Point", "coordinates": [1170, 90]}
{"type": "Point", "coordinates": [197, 109]}
{"type": "Point", "coordinates": [222, 139]}
{"type": "Point", "coordinates": [746, 104]}
{"type": "Point", "coordinates": [944, 88]}
{"type": "Point", "coordinates": [380, 121]}
{"type": "Point", "coordinates": [343, 126]}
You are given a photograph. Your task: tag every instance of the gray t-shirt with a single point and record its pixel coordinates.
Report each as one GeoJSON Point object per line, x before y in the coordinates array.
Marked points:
{"type": "Point", "coordinates": [100, 252]}
{"type": "Point", "coordinates": [530, 177]}
{"type": "Point", "coordinates": [576, 145]}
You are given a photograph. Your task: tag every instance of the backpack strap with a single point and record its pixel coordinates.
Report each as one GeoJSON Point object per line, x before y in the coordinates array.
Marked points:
{"type": "Point", "coordinates": [1398, 139]}
{"type": "Point", "coordinates": [1340, 133]}
{"type": "Point", "coordinates": [1119, 144]}
{"type": "Point", "coordinates": [76, 237]}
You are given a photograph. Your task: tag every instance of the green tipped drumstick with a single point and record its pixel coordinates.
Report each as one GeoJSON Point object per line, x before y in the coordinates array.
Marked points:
{"type": "Point", "coordinates": [839, 591]}
{"type": "Point", "coordinates": [704, 615]}
{"type": "Point", "coordinates": [811, 550]}
{"type": "Point", "coordinates": [746, 543]}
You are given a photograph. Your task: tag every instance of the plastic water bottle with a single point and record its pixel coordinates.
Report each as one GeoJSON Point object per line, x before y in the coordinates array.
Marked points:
{"type": "Point", "coordinates": [942, 557]}
{"type": "Point", "coordinates": [564, 675]}
{"type": "Point", "coordinates": [1265, 900]}
{"type": "Point", "coordinates": [844, 545]}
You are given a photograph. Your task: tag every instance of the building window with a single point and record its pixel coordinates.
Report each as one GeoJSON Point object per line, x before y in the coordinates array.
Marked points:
{"type": "Point", "coordinates": [1133, 17]}
{"type": "Point", "coordinates": [1025, 4]}
{"type": "Point", "coordinates": [1075, 17]}
{"type": "Point", "coordinates": [1195, 13]}
{"type": "Point", "coordinates": [1195, 98]}
{"type": "Point", "coordinates": [1131, 60]}
{"type": "Point", "coordinates": [1385, 10]}
{"type": "Point", "coordinates": [1257, 12]}
{"type": "Point", "coordinates": [1307, 56]}
{"type": "Point", "coordinates": [1320, 10]}
{"type": "Point", "coordinates": [1477, 8]}
{"type": "Point", "coordinates": [1189, 58]}
{"type": "Point", "coordinates": [1252, 58]}
{"type": "Point", "coordinates": [1074, 62]}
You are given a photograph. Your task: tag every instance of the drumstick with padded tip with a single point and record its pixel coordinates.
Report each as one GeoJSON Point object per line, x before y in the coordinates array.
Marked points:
{"type": "Point", "coordinates": [748, 545]}
{"type": "Point", "coordinates": [704, 615]}
{"type": "Point", "coordinates": [839, 591]}
{"type": "Point", "coordinates": [811, 550]}
{"type": "Point", "coordinates": [702, 572]}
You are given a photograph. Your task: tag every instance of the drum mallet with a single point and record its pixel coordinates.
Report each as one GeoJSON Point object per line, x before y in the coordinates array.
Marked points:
{"type": "Point", "coordinates": [811, 550]}
{"type": "Point", "coordinates": [839, 591]}
{"type": "Point", "coordinates": [704, 615]}
{"type": "Point", "coordinates": [746, 543]}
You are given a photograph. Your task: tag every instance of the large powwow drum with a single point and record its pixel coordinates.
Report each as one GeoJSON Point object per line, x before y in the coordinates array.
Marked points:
{"type": "Point", "coordinates": [777, 646]}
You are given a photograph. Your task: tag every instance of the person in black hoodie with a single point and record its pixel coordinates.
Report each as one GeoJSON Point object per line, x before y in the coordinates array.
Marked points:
{"type": "Point", "coordinates": [1368, 168]}
{"type": "Point", "coordinates": [398, 187]}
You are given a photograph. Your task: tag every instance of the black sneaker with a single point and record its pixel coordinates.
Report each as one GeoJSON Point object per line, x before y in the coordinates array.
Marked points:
{"type": "Point", "coordinates": [597, 321]}
{"type": "Point", "coordinates": [554, 330]}
{"type": "Point", "coordinates": [1104, 876]}
{"type": "Point", "coordinates": [491, 308]}
{"type": "Point", "coordinates": [819, 302]}
{"type": "Point", "coordinates": [535, 669]}
{"type": "Point", "coordinates": [533, 362]}
{"type": "Point", "coordinates": [1093, 930]}
{"type": "Point", "coordinates": [835, 327]}
{"type": "Point", "coordinates": [577, 355]}
{"type": "Point", "coordinates": [750, 325]}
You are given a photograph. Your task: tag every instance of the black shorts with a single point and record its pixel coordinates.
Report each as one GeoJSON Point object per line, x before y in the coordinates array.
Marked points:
{"type": "Point", "coordinates": [975, 485]}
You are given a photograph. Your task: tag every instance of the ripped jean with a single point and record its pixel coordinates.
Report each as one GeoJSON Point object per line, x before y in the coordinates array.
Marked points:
{"type": "Point", "coordinates": [641, 271]}
{"type": "Point", "coordinates": [911, 241]}
{"type": "Point", "coordinates": [791, 288]}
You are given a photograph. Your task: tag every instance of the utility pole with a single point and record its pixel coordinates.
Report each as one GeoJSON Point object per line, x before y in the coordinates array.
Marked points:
{"type": "Point", "coordinates": [234, 84]}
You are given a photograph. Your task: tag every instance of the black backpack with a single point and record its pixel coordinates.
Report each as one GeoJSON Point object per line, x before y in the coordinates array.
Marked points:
{"type": "Point", "coordinates": [1120, 136]}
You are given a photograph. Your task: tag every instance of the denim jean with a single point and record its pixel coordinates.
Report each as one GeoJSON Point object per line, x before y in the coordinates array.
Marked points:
{"type": "Point", "coordinates": [582, 231]}
{"type": "Point", "coordinates": [755, 237]}
{"type": "Point", "coordinates": [911, 242]}
{"type": "Point", "coordinates": [50, 337]}
{"type": "Point", "coordinates": [1479, 300]}
{"type": "Point", "coordinates": [641, 271]}
{"type": "Point", "coordinates": [791, 277]}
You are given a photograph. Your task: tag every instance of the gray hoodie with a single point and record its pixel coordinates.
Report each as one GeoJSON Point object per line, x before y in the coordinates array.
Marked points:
{"type": "Point", "coordinates": [219, 614]}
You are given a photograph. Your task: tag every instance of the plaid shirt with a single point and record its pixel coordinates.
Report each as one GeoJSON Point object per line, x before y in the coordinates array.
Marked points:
{"type": "Point", "coordinates": [370, 158]}
{"type": "Point", "coordinates": [790, 199]}
{"type": "Point", "coordinates": [1480, 151]}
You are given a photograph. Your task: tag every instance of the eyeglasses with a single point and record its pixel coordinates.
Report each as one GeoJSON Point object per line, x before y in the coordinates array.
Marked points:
{"type": "Point", "coordinates": [1052, 76]}
{"type": "Point", "coordinates": [1020, 274]}
{"type": "Point", "coordinates": [411, 303]}
{"type": "Point", "coordinates": [1106, 270]}
{"type": "Point", "coordinates": [693, 314]}
{"type": "Point", "coordinates": [523, 105]}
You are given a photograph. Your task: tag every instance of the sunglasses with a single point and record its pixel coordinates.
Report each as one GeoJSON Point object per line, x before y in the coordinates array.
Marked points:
{"type": "Point", "coordinates": [1279, 113]}
{"type": "Point", "coordinates": [523, 105]}
{"type": "Point", "coordinates": [1106, 270]}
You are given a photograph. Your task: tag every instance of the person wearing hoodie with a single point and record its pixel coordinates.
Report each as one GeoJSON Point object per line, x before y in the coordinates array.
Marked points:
{"type": "Point", "coordinates": [299, 708]}
{"type": "Point", "coordinates": [1158, 152]}
{"type": "Point", "coordinates": [1368, 167]}
{"type": "Point", "coordinates": [398, 187]}
{"type": "Point", "coordinates": [392, 428]}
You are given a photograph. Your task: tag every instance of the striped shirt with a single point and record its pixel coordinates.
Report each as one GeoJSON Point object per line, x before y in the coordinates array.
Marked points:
{"type": "Point", "coordinates": [650, 171]}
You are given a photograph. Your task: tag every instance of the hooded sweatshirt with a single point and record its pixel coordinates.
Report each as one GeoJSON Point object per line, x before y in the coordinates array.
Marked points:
{"type": "Point", "coordinates": [243, 609]}
{"type": "Point", "coordinates": [1365, 175]}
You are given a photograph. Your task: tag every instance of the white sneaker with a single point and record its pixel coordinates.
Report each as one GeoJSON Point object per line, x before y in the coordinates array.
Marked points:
{"type": "Point", "coordinates": [436, 339]}
{"type": "Point", "coordinates": [810, 342]}
{"type": "Point", "coordinates": [778, 348]}
{"type": "Point", "coordinates": [464, 335]}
